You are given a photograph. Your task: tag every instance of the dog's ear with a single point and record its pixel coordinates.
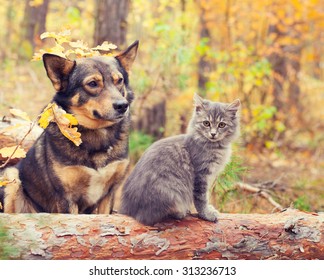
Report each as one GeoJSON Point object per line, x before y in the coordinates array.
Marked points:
{"type": "Point", "coordinates": [127, 57]}
{"type": "Point", "coordinates": [58, 70]}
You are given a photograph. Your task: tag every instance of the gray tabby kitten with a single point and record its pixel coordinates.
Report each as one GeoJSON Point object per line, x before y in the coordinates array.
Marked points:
{"type": "Point", "coordinates": [179, 170]}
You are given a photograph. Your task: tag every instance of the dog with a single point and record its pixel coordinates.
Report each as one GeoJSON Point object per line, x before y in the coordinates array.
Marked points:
{"type": "Point", "coordinates": [59, 177]}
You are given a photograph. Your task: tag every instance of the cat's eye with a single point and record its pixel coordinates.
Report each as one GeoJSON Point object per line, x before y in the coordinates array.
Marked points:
{"type": "Point", "coordinates": [120, 81]}
{"type": "Point", "coordinates": [221, 125]}
{"type": "Point", "coordinates": [206, 123]}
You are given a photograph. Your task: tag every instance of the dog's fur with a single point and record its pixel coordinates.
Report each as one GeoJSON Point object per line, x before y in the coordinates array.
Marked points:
{"type": "Point", "coordinates": [57, 176]}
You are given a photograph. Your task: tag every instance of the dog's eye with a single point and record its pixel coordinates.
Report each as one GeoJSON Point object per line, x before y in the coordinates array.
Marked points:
{"type": "Point", "coordinates": [206, 123]}
{"type": "Point", "coordinates": [93, 84]}
{"type": "Point", "coordinates": [221, 125]}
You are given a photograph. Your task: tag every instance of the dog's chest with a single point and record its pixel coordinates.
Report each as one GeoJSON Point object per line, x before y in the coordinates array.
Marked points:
{"type": "Point", "coordinates": [90, 184]}
{"type": "Point", "coordinates": [98, 183]}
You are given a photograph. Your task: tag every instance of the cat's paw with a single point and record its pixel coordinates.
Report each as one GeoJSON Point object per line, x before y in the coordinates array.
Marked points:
{"type": "Point", "coordinates": [209, 214]}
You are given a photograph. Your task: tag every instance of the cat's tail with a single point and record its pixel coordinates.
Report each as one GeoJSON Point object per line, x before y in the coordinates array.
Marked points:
{"type": "Point", "coordinates": [144, 216]}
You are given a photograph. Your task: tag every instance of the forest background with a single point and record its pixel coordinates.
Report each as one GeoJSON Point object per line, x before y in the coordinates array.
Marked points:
{"type": "Point", "coordinates": [270, 54]}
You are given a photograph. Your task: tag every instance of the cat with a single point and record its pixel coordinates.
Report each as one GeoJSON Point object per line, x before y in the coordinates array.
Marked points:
{"type": "Point", "coordinates": [179, 170]}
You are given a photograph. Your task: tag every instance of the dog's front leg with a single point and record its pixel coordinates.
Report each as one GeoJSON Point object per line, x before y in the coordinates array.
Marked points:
{"type": "Point", "coordinates": [74, 209]}
{"type": "Point", "coordinates": [106, 204]}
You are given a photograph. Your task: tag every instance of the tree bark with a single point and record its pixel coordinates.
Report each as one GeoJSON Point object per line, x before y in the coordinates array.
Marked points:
{"type": "Point", "coordinates": [204, 65]}
{"type": "Point", "coordinates": [111, 21]}
{"type": "Point", "coordinates": [34, 23]}
{"type": "Point", "coordinates": [285, 60]}
{"type": "Point", "coordinates": [291, 234]}
{"type": "Point", "coordinates": [152, 119]}
{"type": "Point", "coordinates": [278, 62]}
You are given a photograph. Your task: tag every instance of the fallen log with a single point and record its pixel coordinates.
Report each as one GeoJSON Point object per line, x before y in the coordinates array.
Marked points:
{"type": "Point", "coordinates": [291, 234]}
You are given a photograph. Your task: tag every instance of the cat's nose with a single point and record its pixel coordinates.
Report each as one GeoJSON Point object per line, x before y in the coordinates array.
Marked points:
{"type": "Point", "coordinates": [213, 135]}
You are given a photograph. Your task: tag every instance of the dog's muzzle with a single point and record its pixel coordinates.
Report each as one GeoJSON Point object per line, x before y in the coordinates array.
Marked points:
{"type": "Point", "coordinates": [120, 106]}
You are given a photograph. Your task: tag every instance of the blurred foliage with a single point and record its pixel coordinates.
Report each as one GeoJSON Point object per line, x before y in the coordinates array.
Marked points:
{"type": "Point", "coordinates": [302, 203]}
{"type": "Point", "coordinates": [223, 189]}
{"type": "Point", "coordinates": [232, 173]}
{"type": "Point", "coordinates": [138, 143]}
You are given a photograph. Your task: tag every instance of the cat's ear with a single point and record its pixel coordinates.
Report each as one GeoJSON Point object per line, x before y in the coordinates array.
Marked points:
{"type": "Point", "coordinates": [198, 102]}
{"type": "Point", "coordinates": [234, 107]}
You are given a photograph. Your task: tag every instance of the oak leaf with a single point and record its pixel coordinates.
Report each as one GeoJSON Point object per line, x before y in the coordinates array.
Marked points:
{"type": "Point", "coordinates": [20, 114]}
{"type": "Point", "coordinates": [105, 46]}
{"type": "Point", "coordinates": [13, 152]}
{"type": "Point", "coordinates": [65, 121]}
{"type": "Point", "coordinates": [79, 45]}
{"type": "Point", "coordinates": [60, 38]}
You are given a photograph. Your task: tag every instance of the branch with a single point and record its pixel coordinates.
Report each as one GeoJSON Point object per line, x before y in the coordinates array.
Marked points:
{"type": "Point", "coordinates": [291, 234]}
{"type": "Point", "coordinates": [18, 145]}
{"type": "Point", "coordinates": [259, 191]}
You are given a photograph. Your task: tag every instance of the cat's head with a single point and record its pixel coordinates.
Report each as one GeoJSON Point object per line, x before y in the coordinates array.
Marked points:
{"type": "Point", "coordinates": [215, 121]}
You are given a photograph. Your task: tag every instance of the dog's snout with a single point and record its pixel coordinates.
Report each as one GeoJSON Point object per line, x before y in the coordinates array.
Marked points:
{"type": "Point", "coordinates": [120, 106]}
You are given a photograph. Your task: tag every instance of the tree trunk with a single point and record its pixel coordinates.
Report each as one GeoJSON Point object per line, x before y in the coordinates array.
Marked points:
{"type": "Point", "coordinates": [34, 22]}
{"type": "Point", "coordinates": [278, 62]}
{"type": "Point", "coordinates": [285, 60]}
{"type": "Point", "coordinates": [111, 21]}
{"type": "Point", "coordinates": [152, 119]}
{"type": "Point", "coordinates": [204, 66]}
{"type": "Point", "coordinates": [291, 234]}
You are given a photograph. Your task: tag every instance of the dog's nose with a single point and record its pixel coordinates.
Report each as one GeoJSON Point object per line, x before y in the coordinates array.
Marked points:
{"type": "Point", "coordinates": [120, 106]}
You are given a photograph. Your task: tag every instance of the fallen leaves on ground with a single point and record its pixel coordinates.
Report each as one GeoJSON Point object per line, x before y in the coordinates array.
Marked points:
{"type": "Point", "coordinates": [13, 152]}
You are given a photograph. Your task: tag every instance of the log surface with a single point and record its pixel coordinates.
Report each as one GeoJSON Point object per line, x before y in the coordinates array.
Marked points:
{"type": "Point", "coordinates": [291, 234]}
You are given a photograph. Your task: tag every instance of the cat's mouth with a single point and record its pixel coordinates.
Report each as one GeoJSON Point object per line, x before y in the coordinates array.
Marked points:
{"type": "Point", "coordinates": [215, 138]}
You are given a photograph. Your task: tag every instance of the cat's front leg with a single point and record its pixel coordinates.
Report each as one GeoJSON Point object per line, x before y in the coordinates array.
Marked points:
{"type": "Point", "coordinates": [205, 211]}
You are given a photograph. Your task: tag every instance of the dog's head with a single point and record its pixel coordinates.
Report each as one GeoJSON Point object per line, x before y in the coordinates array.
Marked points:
{"type": "Point", "coordinates": [96, 90]}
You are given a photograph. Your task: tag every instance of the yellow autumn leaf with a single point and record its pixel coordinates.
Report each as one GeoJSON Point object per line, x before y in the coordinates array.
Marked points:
{"type": "Point", "coordinates": [72, 134]}
{"type": "Point", "coordinates": [48, 35]}
{"type": "Point", "coordinates": [13, 152]}
{"type": "Point", "coordinates": [65, 121]}
{"type": "Point", "coordinates": [57, 50]}
{"type": "Point", "coordinates": [46, 116]}
{"type": "Point", "coordinates": [19, 113]}
{"type": "Point", "coordinates": [4, 182]}
{"type": "Point", "coordinates": [105, 46]}
{"type": "Point", "coordinates": [79, 45]}
{"type": "Point", "coordinates": [72, 119]}
{"type": "Point", "coordinates": [38, 55]}
{"type": "Point", "coordinates": [60, 38]}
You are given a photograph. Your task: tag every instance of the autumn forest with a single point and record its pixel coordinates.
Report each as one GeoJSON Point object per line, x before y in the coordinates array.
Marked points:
{"type": "Point", "coordinates": [269, 54]}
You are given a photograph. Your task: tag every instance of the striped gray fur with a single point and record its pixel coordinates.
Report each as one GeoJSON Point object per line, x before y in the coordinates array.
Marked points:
{"type": "Point", "coordinates": [178, 171]}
